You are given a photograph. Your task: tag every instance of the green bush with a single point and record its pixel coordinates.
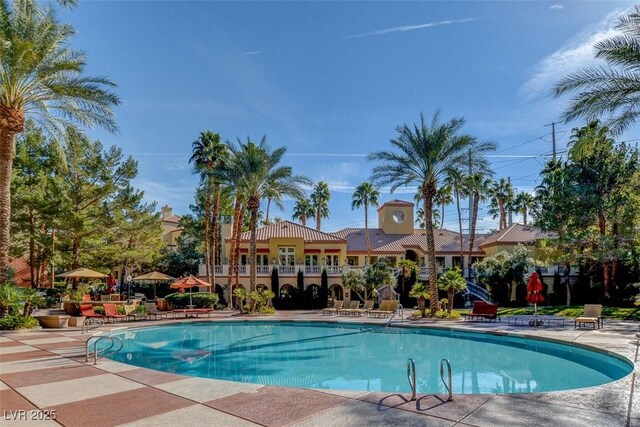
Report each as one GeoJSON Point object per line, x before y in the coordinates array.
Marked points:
{"type": "Point", "coordinates": [444, 314]}
{"type": "Point", "coordinates": [17, 321]}
{"type": "Point", "coordinates": [98, 309]}
{"type": "Point", "coordinates": [200, 299]}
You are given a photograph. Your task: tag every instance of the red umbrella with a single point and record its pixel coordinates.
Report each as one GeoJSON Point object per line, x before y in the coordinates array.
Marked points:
{"type": "Point", "coordinates": [188, 283]}
{"type": "Point", "coordinates": [534, 287]}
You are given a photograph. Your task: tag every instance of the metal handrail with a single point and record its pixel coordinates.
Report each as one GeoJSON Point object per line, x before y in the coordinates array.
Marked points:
{"type": "Point", "coordinates": [107, 351]}
{"type": "Point", "coordinates": [91, 323]}
{"type": "Point", "coordinates": [401, 309]}
{"type": "Point", "coordinates": [447, 384]}
{"type": "Point", "coordinates": [411, 376]}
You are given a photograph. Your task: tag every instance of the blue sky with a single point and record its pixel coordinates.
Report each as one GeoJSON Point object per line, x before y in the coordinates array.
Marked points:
{"type": "Point", "coordinates": [331, 80]}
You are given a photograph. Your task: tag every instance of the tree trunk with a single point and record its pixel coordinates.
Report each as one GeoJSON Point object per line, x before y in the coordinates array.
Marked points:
{"type": "Point", "coordinates": [266, 218]}
{"type": "Point", "coordinates": [214, 233]}
{"type": "Point", "coordinates": [303, 220]}
{"type": "Point", "coordinates": [366, 229]}
{"type": "Point", "coordinates": [602, 224]}
{"type": "Point", "coordinates": [7, 137]}
{"type": "Point", "coordinates": [237, 248]}
{"type": "Point", "coordinates": [472, 226]}
{"type": "Point", "coordinates": [503, 214]}
{"type": "Point", "coordinates": [442, 213]}
{"type": "Point", "coordinates": [566, 282]}
{"type": "Point", "coordinates": [450, 294]}
{"type": "Point", "coordinates": [460, 227]}
{"type": "Point", "coordinates": [32, 247]}
{"type": "Point", "coordinates": [524, 215]}
{"type": "Point", "coordinates": [232, 249]}
{"type": "Point", "coordinates": [318, 214]}
{"type": "Point", "coordinates": [428, 191]}
{"type": "Point", "coordinates": [254, 205]}
{"type": "Point", "coordinates": [207, 246]}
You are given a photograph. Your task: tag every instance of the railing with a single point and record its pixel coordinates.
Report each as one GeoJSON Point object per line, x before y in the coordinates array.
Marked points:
{"type": "Point", "coordinates": [411, 376]}
{"type": "Point", "coordinates": [333, 269]}
{"type": "Point", "coordinates": [263, 269]}
{"type": "Point", "coordinates": [447, 384]}
{"type": "Point", "coordinates": [218, 269]}
{"type": "Point", "coordinates": [312, 269]}
{"type": "Point", "coordinates": [401, 310]}
{"type": "Point", "coordinates": [424, 271]}
{"type": "Point", "coordinates": [287, 269]}
{"type": "Point", "coordinates": [91, 323]}
{"type": "Point", "coordinates": [474, 289]}
{"type": "Point", "coordinates": [108, 351]}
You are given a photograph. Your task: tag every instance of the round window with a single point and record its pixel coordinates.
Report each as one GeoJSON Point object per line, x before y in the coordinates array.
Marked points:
{"type": "Point", "coordinates": [398, 216]}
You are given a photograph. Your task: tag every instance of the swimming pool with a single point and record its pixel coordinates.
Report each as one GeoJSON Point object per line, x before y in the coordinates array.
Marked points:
{"type": "Point", "coordinates": [363, 357]}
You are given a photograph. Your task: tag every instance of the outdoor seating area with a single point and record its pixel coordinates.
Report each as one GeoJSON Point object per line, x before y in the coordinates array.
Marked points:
{"type": "Point", "coordinates": [592, 316]}
{"type": "Point", "coordinates": [482, 310]}
{"type": "Point", "coordinates": [386, 309]}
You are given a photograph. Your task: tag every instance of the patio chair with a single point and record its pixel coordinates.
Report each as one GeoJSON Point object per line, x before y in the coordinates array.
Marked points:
{"type": "Point", "coordinates": [129, 311]}
{"type": "Point", "coordinates": [86, 310]}
{"type": "Point", "coordinates": [111, 312]}
{"type": "Point", "coordinates": [483, 310]}
{"type": "Point", "coordinates": [152, 310]}
{"type": "Point", "coordinates": [592, 314]}
{"type": "Point", "coordinates": [383, 309]}
{"type": "Point", "coordinates": [337, 305]}
{"type": "Point", "coordinates": [368, 305]}
{"type": "Point", "coordinates": [354, 305]}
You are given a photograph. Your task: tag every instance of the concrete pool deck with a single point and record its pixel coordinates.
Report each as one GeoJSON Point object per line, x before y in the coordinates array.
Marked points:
{"type": "Point", "coordinates": [42, 373]}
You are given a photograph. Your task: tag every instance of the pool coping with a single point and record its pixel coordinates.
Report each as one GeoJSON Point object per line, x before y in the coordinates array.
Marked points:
{"type": "Point", "coordinates": [383, 405]}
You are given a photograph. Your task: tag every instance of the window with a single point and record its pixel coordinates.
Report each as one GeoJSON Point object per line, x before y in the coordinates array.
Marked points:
{"type": "Point", "coordinates": [287, 256]}
{"type": "Point", "coordinates": [244, 259]}
{"type": "Point", "coordinates": [440, 261]}
{"type": "Point", "coordinates": [352, 260]}
{"type": "Point", "coordinates": [311, 260]}
{"type": "Point", "coordinates": [333, 260]}
{"type": "Point", "coordinates": [262, 259]}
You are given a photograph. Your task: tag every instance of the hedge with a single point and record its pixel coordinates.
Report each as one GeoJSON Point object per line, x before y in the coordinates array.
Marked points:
{"type": "Point", "coordinates": [200, 299]}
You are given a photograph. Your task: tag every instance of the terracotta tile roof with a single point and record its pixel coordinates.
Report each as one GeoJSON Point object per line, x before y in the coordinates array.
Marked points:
{"type": "Point", "coordinates": [514, 234]}
{"type": "Point", "coordinates": [395, 202]}
{"type": "Point", "coordinates": [446, 241]}
{"type": "Point", "coordinates": [173, 218]}
{"type": "Point", "coordinates": [288, 229]}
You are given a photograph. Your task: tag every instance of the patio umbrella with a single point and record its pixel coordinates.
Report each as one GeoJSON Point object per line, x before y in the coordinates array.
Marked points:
{"type": "Point", "coordinates": [189, 283]}
{"type": "Point", "coordinates": [82, 273]}
{"type": "Point", "coordinates": [534, 287]}
{"type": "Point", "coordinates": [154, 276]}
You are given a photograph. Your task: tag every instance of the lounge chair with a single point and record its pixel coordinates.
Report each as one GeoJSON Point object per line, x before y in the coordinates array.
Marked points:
{"type": "Point", "coordinates": [196, 312]}
{"type": "Point", "coordinates": [387, 308]}
{"type": "Point", "coordinates": [111, 312]}
{"type": "Point", "coordinates": [483, 310]}
{"type": "Point", "coordinates": [129, 311]}
{"type": "Point", "coordinates": [592, 314]}
{"type": "Point", "coordinates": [337, 305]}
{"type": "Point", "coordinates": [152, 310]}
{"type": "Point", "coordinates": [354, 305]}
{"type": "Point", "coordinates": [86, 310]}
{"type": "Point", "coordinates": [368, 305]}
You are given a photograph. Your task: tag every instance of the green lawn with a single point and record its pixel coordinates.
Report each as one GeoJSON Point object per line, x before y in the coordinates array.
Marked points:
{"type": "Point", "coordinates": [619, 313]}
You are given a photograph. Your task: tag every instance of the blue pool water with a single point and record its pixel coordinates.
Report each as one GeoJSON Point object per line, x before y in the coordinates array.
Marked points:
{"type": "Point", "coordinates": [359, 357]}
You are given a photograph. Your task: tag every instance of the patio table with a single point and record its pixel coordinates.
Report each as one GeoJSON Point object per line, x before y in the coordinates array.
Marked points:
{"type": "Point", "coordinates": [529, 320]}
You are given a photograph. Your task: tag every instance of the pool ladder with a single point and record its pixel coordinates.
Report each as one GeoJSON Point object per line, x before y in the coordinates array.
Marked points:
{"type": "Point", "coordinates": [401, 310]}
{"type": "Point", "coordinates": [411, 377]}
{"type": "Point", "coordinates": [106, 352]}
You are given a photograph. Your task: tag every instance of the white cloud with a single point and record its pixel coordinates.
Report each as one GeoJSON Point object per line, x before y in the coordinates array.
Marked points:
{"type": "Point", "coordinates": [252, 52]}
{"type": "Point", "coordinates": [556, 7]}
{"type": "Point", "coordinates": [575, 55]}
{"type": "Point", "coordinates": [403, 28]}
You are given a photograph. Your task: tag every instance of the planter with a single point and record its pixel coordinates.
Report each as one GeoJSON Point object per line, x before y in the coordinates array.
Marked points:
{"type": "Point", "coordinates": [71, 308]}
{"type": "Point", "coordinates": [76, 320]}
{"type": "Point", "coordinates": [53, 321]}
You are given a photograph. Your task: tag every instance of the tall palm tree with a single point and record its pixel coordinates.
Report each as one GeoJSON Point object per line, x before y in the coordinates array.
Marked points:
{"type": "Point", "coordinates": [522, 203]}
{"type": "Point", "coordinates": [423, 155]}
{"type": "Point", "coordinates": [444, 197]}
{"type": "Point", "coordinates": [455, 180]}
{"type": "Point", "coordinates": [613, 90]}
{"type": "Point", "coordinates": [273, 195]}
{"type": "Point", "coordinates": [501, 193]}
{"type": "Point", "coordinates": [43, 78]}
{"type": "Point", "coordinates": [302, 210]}
{"type": "Point", "coordinates": [261, 170]}
{"type": "Point", "coordinates": [586, 139]}
{"type": "Point", "coordinates": [477, 185]}
{"type": "Point", "coordinates": [420, 218]}
{"type": "Point", "coordinates": [365, 195]}
{"type": "Point", "coordinates": [320, 201]}
{"type": "Point", "coordinates": [209, 155]}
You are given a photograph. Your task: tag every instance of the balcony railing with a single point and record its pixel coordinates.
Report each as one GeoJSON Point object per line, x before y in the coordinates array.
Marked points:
{"type": "Point", "coordinates": [263, 270]}
{"type": "Point", "coordinates": [333, 269]}
{"type": "Point", "coordinates": [312, 269]}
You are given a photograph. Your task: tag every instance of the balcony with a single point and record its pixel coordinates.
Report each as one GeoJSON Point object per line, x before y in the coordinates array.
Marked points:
{"type": "Point", "coordinates": [312, 269]}
{"type": "Point", "coordinates": [283, 270]}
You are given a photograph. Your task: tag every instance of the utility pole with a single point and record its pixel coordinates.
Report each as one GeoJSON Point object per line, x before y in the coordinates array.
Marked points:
{"type": "Point", "coordinates": [509, 211]}
{"type": "Point", "coordinates": [553, 138]}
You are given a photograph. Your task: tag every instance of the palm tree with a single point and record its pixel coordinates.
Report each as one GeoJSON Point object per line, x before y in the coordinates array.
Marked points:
{"type": "Point", "coordinates": [425, 154]}
{"type": "Point", "coordinates": [444, 196]}
{"type": "Point", "coordinates": [586, 139]}
{"type": "Point", "coordinates": [365, 195]}
{"type": "Point", "coordinates": [273, 196]}
{"type": "Point", "coordinates": [452, 282]}
{"type": "Point", "coordinates": [302, 210]}
{"type": "Point", "coordinates": [522, 203]}
{"type": "Point", "coordinates": [320, 201]}
{"type": "Point", "coordinates": [209, 154]}
{"type": "Point", "coordinates": [455, 180]}
{"type": "Point", "coordinates": [612, 90]}
{"type": "Point", "coordinates": [477, 185]}
{"type": "Point", "coordinates": [421, 292]}
{"type": "Point", "coordinates": [501, 199]}
{"type": "Point", "coordinates": [260, 171]}
{"type": "Point", "coordinates": [42, 77]}
{"type": "Point", "coordinates": [420, 218]}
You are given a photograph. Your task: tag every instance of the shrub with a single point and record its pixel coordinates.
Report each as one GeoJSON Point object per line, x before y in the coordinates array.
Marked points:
{"type": "Point", "coordinates": [200, 299]}
{"type": "Point", "coordinates": [267, 310]}
{"type": "Point", "coordinates": [98, 309]}
{"type": "Point", "coordinates": [444, 314]}
{"type": "Point", "coordinates": [17, 321]}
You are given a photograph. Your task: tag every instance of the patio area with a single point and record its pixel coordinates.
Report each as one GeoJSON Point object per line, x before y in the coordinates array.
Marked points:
{"type": "Point", "coordinates": [43, 375]}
